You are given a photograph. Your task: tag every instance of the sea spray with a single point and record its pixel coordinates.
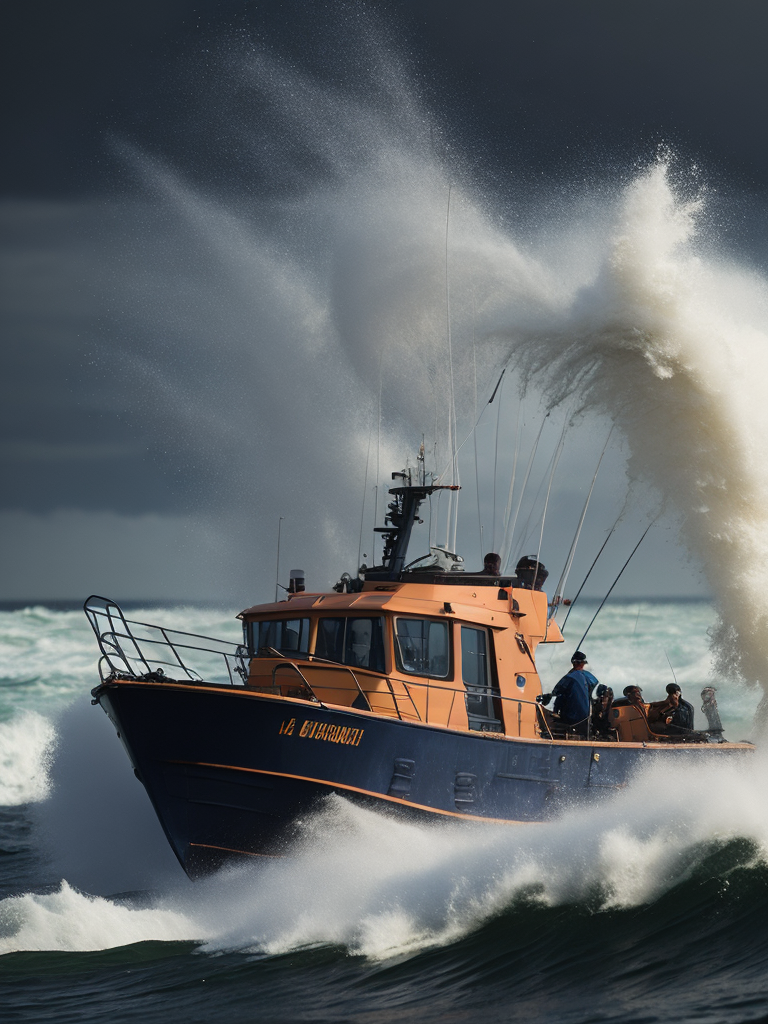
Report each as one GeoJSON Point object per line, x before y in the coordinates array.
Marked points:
{"type": "Point", "coordinates": [381, 887]}
{"type": "Point", "coordinates": [286, 338]}
{"type": "Point", "coordinates": [672, 344]}
{"type": "Point", "coordinates": [98, 829]}
{"type": "Point", "coordinates": [68, 920]}
{"type": "Point", "coordinates": [26, 750]}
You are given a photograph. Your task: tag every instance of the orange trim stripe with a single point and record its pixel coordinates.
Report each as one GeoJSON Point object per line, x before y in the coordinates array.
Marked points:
{"type": "Point", "coordinates": [230, 849]}
{"type": "Point", "coordinates": [356, 789]}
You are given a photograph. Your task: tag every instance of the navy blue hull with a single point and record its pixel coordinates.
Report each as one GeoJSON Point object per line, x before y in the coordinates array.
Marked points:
{"type": "Point", "coordinates": [229, 772]}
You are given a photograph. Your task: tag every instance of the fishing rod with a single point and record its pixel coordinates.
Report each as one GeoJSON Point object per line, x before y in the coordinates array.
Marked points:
{"type": "Point", "coordinates": [477, 421]}
{"type": "Point", "coordinates": [671, 669]}
{"type": "Point", "coordinates": [555, 461]}
{"type": "Point", "coordinates": [498, 385]}
{"type": "Point", "coordinates": [509, 530]}
{"type": "Point", "coordinates": [634, 549]}
{"type": "Point", "coordinates": [496, 452]}
{"type": "Point", "coordinates": [572, 552]}
{"type": "Point", "coordinates": [584, 581]}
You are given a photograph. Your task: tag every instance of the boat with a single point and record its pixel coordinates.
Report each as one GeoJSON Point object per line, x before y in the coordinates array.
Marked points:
{"type": "Point", "coordinates": [411, 688]}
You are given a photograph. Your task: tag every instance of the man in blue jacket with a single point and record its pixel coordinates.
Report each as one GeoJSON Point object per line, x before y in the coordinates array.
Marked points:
{"type": "Point", "coordinates": [572, 695]}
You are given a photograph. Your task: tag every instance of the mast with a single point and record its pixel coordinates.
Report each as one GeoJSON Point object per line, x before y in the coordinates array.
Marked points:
{"type": "Point", "coordinates": [402, 513]}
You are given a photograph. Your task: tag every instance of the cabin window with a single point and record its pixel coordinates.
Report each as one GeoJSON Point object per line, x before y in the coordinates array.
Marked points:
{"type": "Point", "coordinates": [476, 676]}
{"type": "Point", "coordinates": [288, 636]}
{"type": "Point", "coordinates": [423, 647]}
{"type": "Point", "coordinates": [352, 640]}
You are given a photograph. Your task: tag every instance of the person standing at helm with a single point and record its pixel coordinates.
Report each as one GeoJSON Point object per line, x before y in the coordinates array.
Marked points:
{"type": "Point", "coordinates": [579, 662]}
{"type": "Point", "coordinates": [572, 694]}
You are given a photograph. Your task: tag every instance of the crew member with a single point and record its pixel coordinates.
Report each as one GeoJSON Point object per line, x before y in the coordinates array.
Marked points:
{"type": "Point", "coordinates": [661, 712]}
{"type": "Point", "coordinates": [491, 564]}
{"type": "Point", "coordinates": [579, 661]}
{"type": "Point", "coordinates": [572, 695]}
{"type": "Point", "coordinates": [682, 717]}
{"type": "Point", "coordinates": [673, 716]}
{"type": "Point", "coordinates": [634, 695]}
{"type": "Point", "coordinates": [601, 712]}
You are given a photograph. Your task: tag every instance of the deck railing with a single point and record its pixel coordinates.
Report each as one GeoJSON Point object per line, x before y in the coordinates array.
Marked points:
{"type": "Point", "coordinates": [136, 650]}
{"type": "Point", "coordinates": [140, 650]}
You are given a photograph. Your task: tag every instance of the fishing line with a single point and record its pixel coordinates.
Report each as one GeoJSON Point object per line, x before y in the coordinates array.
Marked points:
{"type": "Point", "coordinates": [639, 609]}
{"type": "Point", "coordinates": [634, 549]}
{"type": "Point", "coordinates": [469, 434]}
{"type": "Point", "coordinates": [555, 461]}
{"type": "Point", "coordinates": [496, 451]}
{"type": "Point", "coordinates": [508, 506]}
{"type": "Point", "coordinates": [506, 544]}
{"type": "Point", "coordinates": [453, 496]}
{"type": "Point", "coordinates": [474, 433]}
{"type": "Point", "coordinates": [670, 668]}
{"type": "Point", "coordinates": [529, 524]}
{"type": "Point", "coordinates": [569, 560]}
{"type": "Point", "coordinates": [594, 563]}
{"type": "Point", "coordinates": [378, 464]}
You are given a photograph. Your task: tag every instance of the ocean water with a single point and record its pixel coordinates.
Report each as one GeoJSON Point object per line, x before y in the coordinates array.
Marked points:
{"type": "Point", "coordinates": [649, 907]}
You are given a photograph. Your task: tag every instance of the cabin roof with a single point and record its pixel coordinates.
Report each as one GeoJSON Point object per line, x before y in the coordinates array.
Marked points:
{"type": "Point", "coordinates": [489, 605]}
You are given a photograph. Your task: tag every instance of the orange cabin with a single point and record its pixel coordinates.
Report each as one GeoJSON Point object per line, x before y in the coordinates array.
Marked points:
{"type": "Point", "coordinates": [459, 656]}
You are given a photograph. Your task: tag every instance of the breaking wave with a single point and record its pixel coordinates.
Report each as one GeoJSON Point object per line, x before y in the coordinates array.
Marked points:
{"type": "Point", "coordinates": [26, 747]}
{"type": "Point", "coordinates": [380, 888]}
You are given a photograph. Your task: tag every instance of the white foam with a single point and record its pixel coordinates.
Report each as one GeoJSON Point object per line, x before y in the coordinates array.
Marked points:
{"type": "Point", "coordinates": [671, 343]}
{"type": "Point", "coordinates": [69, 920]}
{"type": "Point", "coordinates": [26, 747]}
{"type": "Point", "coordinates": [382, 888]}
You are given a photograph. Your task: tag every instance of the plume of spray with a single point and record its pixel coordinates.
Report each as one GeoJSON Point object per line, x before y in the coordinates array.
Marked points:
{"type": "Point", "coordinates": [672, 344]}
{"type": "Point", "coordinates": [268, 329]}
{"type": "Point", "coordinates": [338, 287]}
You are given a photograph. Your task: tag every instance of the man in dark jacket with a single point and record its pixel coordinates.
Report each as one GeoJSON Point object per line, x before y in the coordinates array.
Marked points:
{"type": "Point", "coordinates": [673, 716]}
{"type": "Point", "coordinates": [682, 716]}
{"type": "Point", "coordinates": [572, 695]}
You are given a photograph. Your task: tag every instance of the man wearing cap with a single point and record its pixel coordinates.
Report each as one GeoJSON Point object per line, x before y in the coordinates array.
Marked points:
{"type": "Point", "coordinates": [572, 694]}
{"type": "Point", "coordinates": [682, 716]}
{"type": "Point", "coordinates": [673, 716]}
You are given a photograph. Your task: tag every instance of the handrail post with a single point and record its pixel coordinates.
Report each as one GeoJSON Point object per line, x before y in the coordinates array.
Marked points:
{"type": "Point", "coordinates": [295, 667]}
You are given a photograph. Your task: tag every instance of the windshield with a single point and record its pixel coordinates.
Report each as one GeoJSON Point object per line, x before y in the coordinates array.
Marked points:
{"type": "Point", "coordinates": [288, 636]}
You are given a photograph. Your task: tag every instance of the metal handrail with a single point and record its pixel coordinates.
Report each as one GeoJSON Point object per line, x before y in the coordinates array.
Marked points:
{"type": "Point", "coordinates": [407, 683]}
{"type": "Point", "coordinates": [123, 652]}
{"type": "Point", "coordinates": [295, 667]}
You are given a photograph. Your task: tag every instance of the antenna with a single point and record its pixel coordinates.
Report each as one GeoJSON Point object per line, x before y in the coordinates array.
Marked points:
{"type": "Point", "coordinates": [365, 491]}
{"type": "Point", "coordinates": [450, 540]}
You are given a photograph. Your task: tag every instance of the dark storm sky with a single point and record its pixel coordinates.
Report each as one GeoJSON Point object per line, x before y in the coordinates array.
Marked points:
{"type": "Point", "coordinates": [546, 88]}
